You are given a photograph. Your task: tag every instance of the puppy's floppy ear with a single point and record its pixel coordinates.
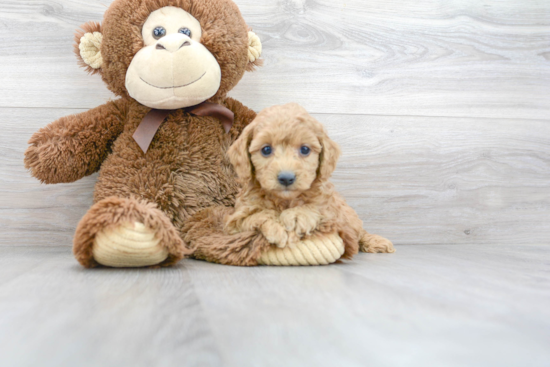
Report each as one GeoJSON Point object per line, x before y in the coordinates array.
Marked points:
{"type": "Point", "coordinates": [239, 156]}
{"type": "Point", "coordinates": [88, 47]}
{"type": "Point", "coordinates": [328, 157]}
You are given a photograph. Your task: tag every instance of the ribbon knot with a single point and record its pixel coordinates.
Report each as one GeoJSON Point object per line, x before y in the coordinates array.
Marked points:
{"type": "Point", "coordinates": [150, 124]}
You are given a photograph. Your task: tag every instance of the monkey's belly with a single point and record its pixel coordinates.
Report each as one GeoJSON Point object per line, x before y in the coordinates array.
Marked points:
{"type": "Point", "coordinates": [180, 177]}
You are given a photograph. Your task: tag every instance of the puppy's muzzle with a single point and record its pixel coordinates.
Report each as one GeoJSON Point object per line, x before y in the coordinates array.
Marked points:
{"type": "Point", "coordinates": [286, 178]}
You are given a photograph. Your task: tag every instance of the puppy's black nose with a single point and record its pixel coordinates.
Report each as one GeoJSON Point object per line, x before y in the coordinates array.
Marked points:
{"type": "Point", "coordinates": [286, 178]}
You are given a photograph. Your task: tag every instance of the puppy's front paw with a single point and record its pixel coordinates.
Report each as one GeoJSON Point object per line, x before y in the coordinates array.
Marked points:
{"type": "Point", "coordinates": [293, 239]}
{"type": "Point", "coordinates": [301, 221]}
{"type": "Point", "coordinates": [275, 233]}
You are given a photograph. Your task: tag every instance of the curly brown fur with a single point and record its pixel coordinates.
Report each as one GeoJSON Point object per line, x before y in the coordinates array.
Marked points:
{"type": "Point", "coordinates": [113, 211]}
{"type": "Point", "coordinates": [310, 205]}
{"type": "Point", "coordinates": [255, 64]}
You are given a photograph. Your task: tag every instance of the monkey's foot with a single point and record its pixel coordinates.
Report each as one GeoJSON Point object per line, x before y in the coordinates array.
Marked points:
{"type": "Point", "coordinates": [128, 245]}
{"type": "Point", "coordinates": [317, 250]}
{"type": "Point", "coordinates": [119, 232]}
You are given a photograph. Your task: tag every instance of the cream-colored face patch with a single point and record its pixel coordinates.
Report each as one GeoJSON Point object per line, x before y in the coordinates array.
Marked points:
{"type": "Point", "coordinates": [173, 70]}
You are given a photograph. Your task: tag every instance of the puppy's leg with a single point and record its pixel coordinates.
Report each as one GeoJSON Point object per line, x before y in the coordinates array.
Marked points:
{"type": "Point", "coordinates": [375, 243]}
{"type": "Point", "coordinates": [234, 223]}
{"type": "Point", "coordinates": [302, 220]}
{"type": "Point", "coordinates": [274, 233]}
{"type": "Point", "coordinates": [264, 221]}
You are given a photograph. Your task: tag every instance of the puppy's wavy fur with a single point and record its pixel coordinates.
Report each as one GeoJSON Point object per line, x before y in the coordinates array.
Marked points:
{"type": "Point", "coordinates": [310, 205]}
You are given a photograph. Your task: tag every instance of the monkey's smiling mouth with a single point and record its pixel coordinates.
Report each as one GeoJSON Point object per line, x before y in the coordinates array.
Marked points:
{"type": "Point", "coordinates": [174, 87]}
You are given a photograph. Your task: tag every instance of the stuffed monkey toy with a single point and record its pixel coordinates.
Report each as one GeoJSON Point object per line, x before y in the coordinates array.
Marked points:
{"type": "Point", "coordinates": [160, 148]}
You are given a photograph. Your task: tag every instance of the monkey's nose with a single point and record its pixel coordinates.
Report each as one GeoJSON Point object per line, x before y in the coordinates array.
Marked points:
{"type": "Point", "coordinates": [173, 42]}
{"type": "Point", "coordinates": [286, 178]}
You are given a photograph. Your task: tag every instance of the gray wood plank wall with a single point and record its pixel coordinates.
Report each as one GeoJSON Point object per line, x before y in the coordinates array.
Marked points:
{"type": "Point", "coordinates": [442, 109]}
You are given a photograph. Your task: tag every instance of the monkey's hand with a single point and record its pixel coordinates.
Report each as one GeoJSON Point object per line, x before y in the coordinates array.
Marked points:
{"type": "Point", "coordinates": [49, 161]}
{"type": "Point", "coordinates": [74, 146]}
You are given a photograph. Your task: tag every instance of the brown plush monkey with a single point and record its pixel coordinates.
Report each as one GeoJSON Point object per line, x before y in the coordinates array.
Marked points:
{"type": "Point", "coordinates": [159, 149]}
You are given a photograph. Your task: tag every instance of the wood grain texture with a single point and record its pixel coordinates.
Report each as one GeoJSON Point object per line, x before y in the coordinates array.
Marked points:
{"type": "Point", "coordinates": [419, 180]}
{"type": "Point", "coordinates": [455, 58]}
{"type": "Point", "coordinates": [55, 313]}
{"type": "Point", "coordinates": [415, 180]}
{"type": "Point", "coordinates": [422, 306]}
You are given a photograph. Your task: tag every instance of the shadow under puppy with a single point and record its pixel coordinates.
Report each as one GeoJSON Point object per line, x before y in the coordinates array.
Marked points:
{"type": "Point", "coordinates": [284, 160]}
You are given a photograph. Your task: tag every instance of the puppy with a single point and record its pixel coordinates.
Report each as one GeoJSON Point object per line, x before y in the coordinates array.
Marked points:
{"type": "Point", "coordinates": [284, 159]}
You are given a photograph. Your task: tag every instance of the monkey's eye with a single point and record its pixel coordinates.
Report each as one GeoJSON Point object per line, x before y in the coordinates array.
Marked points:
{"type": "Point", "coordinates": [159, 32]}
{"type": "Point", "coordinates": [185, 31]}
{"type": "Point", "coordinates": [305, 150]}
{"type": "Point", "coordinates": [267, 151]}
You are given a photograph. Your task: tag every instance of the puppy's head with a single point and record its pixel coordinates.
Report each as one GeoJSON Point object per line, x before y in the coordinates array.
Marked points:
{"type": "Point", "coordinates": [284, 150]}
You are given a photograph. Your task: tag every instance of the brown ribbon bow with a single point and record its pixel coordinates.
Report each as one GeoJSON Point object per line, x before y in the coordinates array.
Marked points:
{"type": "Point", "coordinates": [150, 124]}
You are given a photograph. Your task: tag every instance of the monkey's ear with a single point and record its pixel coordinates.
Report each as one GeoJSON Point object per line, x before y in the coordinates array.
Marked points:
{"type": "Point", "coordinates": [254, 51]}
{"type": "Point", "coordinates": [88, 47]}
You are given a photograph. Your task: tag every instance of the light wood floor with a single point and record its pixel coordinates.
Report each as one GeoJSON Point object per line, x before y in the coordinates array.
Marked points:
{"type": "Point", "coordinates": [423, 306]}
{"type": "Point", "coordinates": [442, 110]}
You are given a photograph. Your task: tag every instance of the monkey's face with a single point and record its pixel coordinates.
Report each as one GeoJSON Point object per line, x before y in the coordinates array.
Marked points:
{"type": "Point", "coordinates": [173, 70]}
{"type": "Point", "coordinates": [169, 54]}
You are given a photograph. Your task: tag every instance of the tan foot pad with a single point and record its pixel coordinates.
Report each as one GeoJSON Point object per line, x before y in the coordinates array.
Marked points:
{"type": "Point", "coordinates": [128, 245]}
{"type": "Point", "coordinates": [322, 250]}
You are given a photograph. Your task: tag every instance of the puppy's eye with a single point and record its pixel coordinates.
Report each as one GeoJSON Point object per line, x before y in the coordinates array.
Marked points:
{"type": "Point", "coordinates": [305, 150]}
{"type": "Point", "coordinates": [267, 151]}
{"type": "Point", "coordinates": [185, 31]}
{"type": "Point", "coordinates": [159, 32]}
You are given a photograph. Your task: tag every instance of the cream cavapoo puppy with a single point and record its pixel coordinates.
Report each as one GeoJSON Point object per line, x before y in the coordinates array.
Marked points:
{"type": "Point", "coordinates": [284, 159]}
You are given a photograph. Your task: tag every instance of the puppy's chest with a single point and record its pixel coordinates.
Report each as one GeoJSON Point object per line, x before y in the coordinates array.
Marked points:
{"type": "Point", "coordinates": [278, 206]}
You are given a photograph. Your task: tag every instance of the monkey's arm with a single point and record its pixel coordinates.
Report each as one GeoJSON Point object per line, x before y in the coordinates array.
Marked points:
{"type": "Point", "coordinates": [75, 146]}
